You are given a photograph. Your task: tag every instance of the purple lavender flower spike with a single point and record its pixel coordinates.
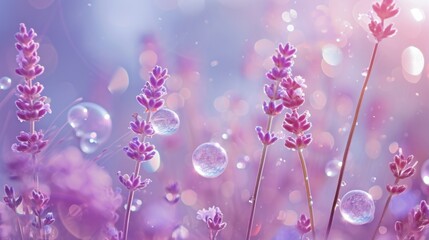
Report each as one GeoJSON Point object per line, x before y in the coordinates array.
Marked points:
{"type": "Point", "coordinates": [384, 10]}
{"type": "Point", "coordinates": [272, 109]}
{"type": "Point", "coordinates": [27, 57]}
{"type": "Point", "coordinates": [140, 151]}
{"type": "Point", "coordinates": [303, 224]}
{"type": "Point", "coordinates": [265, 138]}
{"type": "Point", "coordinates": [153, 91]}
{"type": "Point", "coordinates": [10, 199]}
{"type": "Point", "coordinates": [141, 126]}
{"type": "Point", "coordinates": [134, 183]}
{"type": "Point", "coordinates": [403, 167]}
{"type": "Point", "coordinates": [30, 143]}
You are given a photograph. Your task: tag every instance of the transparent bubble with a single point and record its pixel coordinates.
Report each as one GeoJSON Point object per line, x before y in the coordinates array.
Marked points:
{"type": "Point", "coordinates": [332, 168]}
{"type": "Point", "coordinates": [165, 121]}
{"type": "Point", "coordinates": [332, 54]}
{"type": "Point", "coordinates": [154, 164]}
{"type": "Point", "coordinates": [5, 83]}
{"type": "Point", "coordinates": [209, 160]}
{"type": "Point", "coordinates": [91, 123]}
{"type": "Point", "coordinates": [425, 172]}
{"type": "Point", "coordinates": [135, 205]}
{"type": "Point", "coordinates": [357, 207]}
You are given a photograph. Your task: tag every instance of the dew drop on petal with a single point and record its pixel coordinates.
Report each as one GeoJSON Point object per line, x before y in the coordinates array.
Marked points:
{"type": "Point", "coordinates": [5, 83]}
{"type": "Point", "coordinates": [91, 123]}
{"type": "Point", "coordinates": [165, 121]}
{"type": "Point", "coordinates": [332, 168]}
{"type": "Point", "coordinates": [425, 172]}
{"type": "Point", "coordinates": [209, 160]}
{"type": "Point", "coordinates": [357, 207]}
{"type": "Point", "coordinates": [135, 205]}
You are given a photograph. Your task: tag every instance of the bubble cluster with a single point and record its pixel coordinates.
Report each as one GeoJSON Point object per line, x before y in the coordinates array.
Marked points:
{"type": "Point", "coordinates": [209, 160]}
{"type": "Point", "coordinates": [5, 83]}
{"type": "Point", "coordinates": [357, 207]}
{"type": "Point", "coordinates": [165, 121]}
{"type": "Point", "coordinates": [91, 123]}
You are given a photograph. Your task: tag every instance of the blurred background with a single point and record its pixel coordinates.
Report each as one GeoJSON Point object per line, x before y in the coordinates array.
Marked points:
{"type": "Point", "coordinates": [217, 53]}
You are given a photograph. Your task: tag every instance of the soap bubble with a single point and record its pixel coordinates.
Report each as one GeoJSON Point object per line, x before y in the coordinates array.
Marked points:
{"type": "Point", "coordinates": [425, 172]}
{"type": "Point", "coordinates": [209, 160]}
{"type": "Point", "coordinates": [5, 83]}
{"type": "Point", "coordinates": [332, 168]}
{"type": "Point", "coordinates": [92, 124]}
{"type": "Point", "coordinates": [165, 121]}
{"type": "Point", "coordinates": [153, 164]}
{"type": "Point", "coordinates": [357, 207]}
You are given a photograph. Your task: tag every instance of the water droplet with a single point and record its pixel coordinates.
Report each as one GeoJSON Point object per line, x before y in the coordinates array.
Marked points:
{"type": "Point", "coordinates": [241, 165]}
{"type": "Point", "coordinates": [332, 168]}
{"type": "Point", "coordinates": [357, 207]}
{"type": "Point", "coordinates": [364, 72]}
{"type": "Point", "coordinates": [425, 172]}
{"type": "Point", "coordinates": [209, 160]}
{"type": "Point", "coordinates": [224, 136]}
{"type": "Point", "coordinates": [91, 123]}
{"type": "Point", "coordinates": [135, 205]}
{"type": "Point", "coordinates": [373, 179]}
{"type": "Point", "coordinates": [5, 83]}
{"type": "Point", "coordinates": [343, 183]}
{"type": "Point", "coordinates": [251, 200]}
{"type": "Point", "coordinates": [165, 121]}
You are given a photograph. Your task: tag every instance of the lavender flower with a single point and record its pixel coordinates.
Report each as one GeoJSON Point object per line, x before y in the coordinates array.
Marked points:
{"type": "Point", "coordinates": [418, 219]}
{"type": "Point", "coordinates": [154, 89]}
{"type": "Point", "coordinates": [384, 10]}
{"type": "Point", "coordinates": [140, 151]}
{"type": "Point", "coordinates": [134, 183]}
{"type": "Point", "coordinates": [172, 193]}
{"type": "Point", "coordinates": [141, 126]}
{"type": "Point", "coordinates": [10, 199]}
{"type": "Point", "coordinates": [303, 225]}
{"type": "Point", "coordinates": [213, 217]}
{"type": "Point", "coordinates": [29, 143]}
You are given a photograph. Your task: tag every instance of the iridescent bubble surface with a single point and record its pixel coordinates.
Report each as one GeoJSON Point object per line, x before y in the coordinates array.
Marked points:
{"type": "Point", "coordinates": [424, 172]}
{"type": "Point", "coordinates": [91, 123]}
{"type": "Point", "coordinates": [332, 168]}
{"type": "Point", "coordinates": [209, 160]}
{"type": "Point", "coordinates": [165, 121]}
{"type": "Point", "coordinates": [357, 207]}
{"type": "Point", "coordinates": [5, 83]}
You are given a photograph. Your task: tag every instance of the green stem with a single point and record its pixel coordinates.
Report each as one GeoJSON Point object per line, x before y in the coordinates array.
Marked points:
{"type": "Point", "coordinates": [308, 191]}
{"type": "Point", "coordinates": [386, 205]}
{"type": "Point", "coordinates": [349, 141]}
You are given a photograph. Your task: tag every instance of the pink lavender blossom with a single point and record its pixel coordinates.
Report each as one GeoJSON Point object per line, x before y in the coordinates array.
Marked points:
{"type": "Point", "coordinates": [213, 217]}
{"type": "Point", "coordinates": [303, 224]}
{"type": "Point", "coordinates": [134, 183]}
{"type": "Point", "coordinates": [418, 219]}
{"type": "Point", "coordinates": [384, 10]}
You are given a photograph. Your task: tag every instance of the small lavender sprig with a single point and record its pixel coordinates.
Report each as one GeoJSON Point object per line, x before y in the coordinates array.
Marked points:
{"type": "Point", "coordinates": [298, 124]}
{"type": "Point", "coordinates": [384, 10]}
{"type": "Point", "coordinates": [138, 149]}
{"type": "Point", "coordinates": [39, 203]}
{"type": "Point", "coordinates": [303, 225]}
{"type": "Point", "coordinates": [213, 217]}
{"type": "Point", "coordinates": [418, 219]}
{"type": "Point", "coordinates": [13, 203]}
{"type": "Point", "coordinates": [283, 61]}
{"type": "Point", "coordinates": [402, 167]}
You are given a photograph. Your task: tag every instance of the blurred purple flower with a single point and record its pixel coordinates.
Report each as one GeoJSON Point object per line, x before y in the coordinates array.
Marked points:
{"type": "Point", "coordinates": [213, 217]}
{"type": "Point", "coordinates": [10, 199]}
{"type": "Point", "coordinates": [418, 219]}
{"type": "Point", "coordinates": [386, 9]}
{"type": "Point", "coordinates": [172, 193]}
{"type": "Point", "coordinates": [303, 224]}
{"type": "Point", "coordinates": [27, 57]}
{"type": "Point", "coordinates": [403, 167]}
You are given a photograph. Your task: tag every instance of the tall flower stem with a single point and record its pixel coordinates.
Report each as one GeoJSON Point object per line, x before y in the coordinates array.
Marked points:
{"type": "Point", "coordinates": [131, 192]}
{"type": "Point", "coordinates": [308, 191]}
{"type": "Point", "coordinates": [254, 197]}
{"type": "Point", "coordinates": [349, 141]}
{"type": "Point", "coordinates": [386, 205]}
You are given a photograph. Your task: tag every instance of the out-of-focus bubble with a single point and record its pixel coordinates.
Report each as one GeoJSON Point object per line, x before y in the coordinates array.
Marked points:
{"type": "Point", "coordinates": [376, 192]}
{"type": "Point", "coordinates": [332, 168]}
{"type": "Point", "coordinates": [209, 160]}
{"type": "Point", "coordinates": [373, 148]}
{"type": "Point", "coordinates": [286, 16]}
{"type": "Point", "coordinates": [424, 172]}
{"type": "Point", "coordinates": [153, 164]}
{"type": "Point", "coordinates": [393, 147]}
{"type": "Point", "coordinates": [332, 54]}
{"type": "Point", "coordinates": [119, 82]}
{"type": "Point", "coordinates": [418, 14]}
{"type": "Point", "coordinates": [165, 121]}
{"type": "Point", "coordinates": [135, 205]}
{"type": "Point", "coordinates": [214, 63]}
{"type": "Point", "coordinates": [318, 100]}
{"type": "Point", "coordinates": [221, 103]}
{"type": "Point", "coordinates": [180, 232]}
{"type": "Point", "coordinates": [91, 123]}
{"type": "Point", "coordinates": [290, 27]}
{"type": "Point", "coordinates": [357, 207]}
{"type": "Point", "coordinates": [189, 197]}
{"type": "Point", "coordinates": [413, 61]}
{"type": "Point", "coordinates": [5, 83]}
